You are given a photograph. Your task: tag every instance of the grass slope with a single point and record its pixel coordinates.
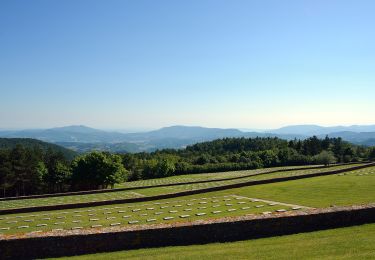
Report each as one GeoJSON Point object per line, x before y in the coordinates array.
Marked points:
{"type": "Point", "coordinates": [355, 187]}
{"type": "Point", "coordinates": [137, 213]}
{"type": "Point", "coordinates": [343, 243]}
{"type": "Point", "coordinates": [153, 191]}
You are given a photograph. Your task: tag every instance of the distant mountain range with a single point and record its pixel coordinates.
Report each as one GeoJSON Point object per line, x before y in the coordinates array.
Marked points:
{"type": "Point", "coordinates": [310, 130]}
{"type": "Point", "coordinates": [82, 138]}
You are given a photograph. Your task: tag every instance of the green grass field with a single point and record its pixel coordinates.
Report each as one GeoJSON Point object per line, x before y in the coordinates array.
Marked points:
{"type": "Point", "coordinates": [344, 243]}
{"type": "Point", "coordinates": [157, 190]}
{"type": "Point", "coordinates": [138, 213]}
{"type": "Point", "coordinates": [205, 176]}
{"type": "Point", "coordinates": [354, 187]}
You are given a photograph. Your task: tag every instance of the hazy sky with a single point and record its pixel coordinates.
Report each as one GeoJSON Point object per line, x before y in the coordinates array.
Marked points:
{"type": "Point", "coordinates": [147, 64]}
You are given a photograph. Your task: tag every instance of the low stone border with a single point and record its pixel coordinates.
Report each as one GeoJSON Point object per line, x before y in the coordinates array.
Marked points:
{"type": "Point", "coordinates": [198, 232]}
{"type": "Point", "coordinates": [177, 194]}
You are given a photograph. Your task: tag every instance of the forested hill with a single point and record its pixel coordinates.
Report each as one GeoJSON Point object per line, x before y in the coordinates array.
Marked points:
{"type": "Point", "coordinates": [243, 153]}
{"type": "Point", "coordinates": [10, 143]}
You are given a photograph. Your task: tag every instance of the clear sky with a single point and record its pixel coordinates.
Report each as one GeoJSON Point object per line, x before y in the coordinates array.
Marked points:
{"type": "Point", "coordinates": [148, 64]}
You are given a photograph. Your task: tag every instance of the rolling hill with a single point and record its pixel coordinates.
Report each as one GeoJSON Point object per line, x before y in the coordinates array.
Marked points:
{"type": "Point", "coordinates": [9, 143]}
{"type": "Point", "coordinates": [82, 138]}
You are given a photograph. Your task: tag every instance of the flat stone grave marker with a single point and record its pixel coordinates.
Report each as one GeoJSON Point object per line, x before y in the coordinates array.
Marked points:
{"type": "Point", "coordinates": [115, 224]}
{"type": "Point", "coordinates": [200, 214]}
{"type": "Point", "coordinates": [59, 223]}
{"type": "Point", "coordinates": [230, 210]}
{"type": "Point", "coordinates": [41, 225]}
{"type": "Point", "coordinates": [188, 209]}
{"type": "Point", "coordinates": [244, 208]}
{"type": "Point", "coordinates": [259, 206]}
{"type": "Point", "coordinates": [158, 213]}
{"type": "Point", "coordinates": [22, 227]}
{"type": "Point", "coordinates": [216, 211]}
{"type": "Point", "coordinates": [281, 210]}
{"type": "Point", "coordinates": [74, 228]}
{"type": "Point", "coordinates": [173, 211]}
{"type": "Point", "coordinates": [168, 218]}
{"type": "Point", "coordinates": [96, 226]}
{"type": "Point", "coordinates": [184, 216]}
{"type": "Point", "coordinates": [110, 218]}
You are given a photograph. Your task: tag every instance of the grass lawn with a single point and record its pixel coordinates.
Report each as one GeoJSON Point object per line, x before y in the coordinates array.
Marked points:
{"type": "Point", "coordinates": [158, 190]}
{"type": "Point", "coordinates": [205, 176]}
{"type": "Point", "coordinates": [137, 213]}
{"type": "Point", "coordinates": [342, 243]}
{"type": "Point", "coordinates": [356, 187]}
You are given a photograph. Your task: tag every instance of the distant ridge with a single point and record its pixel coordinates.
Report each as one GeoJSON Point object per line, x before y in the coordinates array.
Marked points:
{"type": "Point", "coordinates": [82, 138]}
{"type": "Point", "coordinates": [309, 130]}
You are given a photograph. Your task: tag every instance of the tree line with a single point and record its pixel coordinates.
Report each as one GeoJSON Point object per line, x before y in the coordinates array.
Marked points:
{"type": "Point", "coordinates": [32, 170]}
{"type": "Point", "coordinates": [243, 153]}
{"type": "Point", "coordinates": [25, 171]}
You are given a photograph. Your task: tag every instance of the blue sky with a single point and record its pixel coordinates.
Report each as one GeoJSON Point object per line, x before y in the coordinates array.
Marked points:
{"type": "Point", "coordinates": [148, 64]}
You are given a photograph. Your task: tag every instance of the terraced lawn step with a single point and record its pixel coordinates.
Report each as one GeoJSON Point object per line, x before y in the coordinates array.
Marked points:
{"type": "Point", "coordinates": [106, 216]}
{"type": "Point", "coordinates": [124, 196]}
